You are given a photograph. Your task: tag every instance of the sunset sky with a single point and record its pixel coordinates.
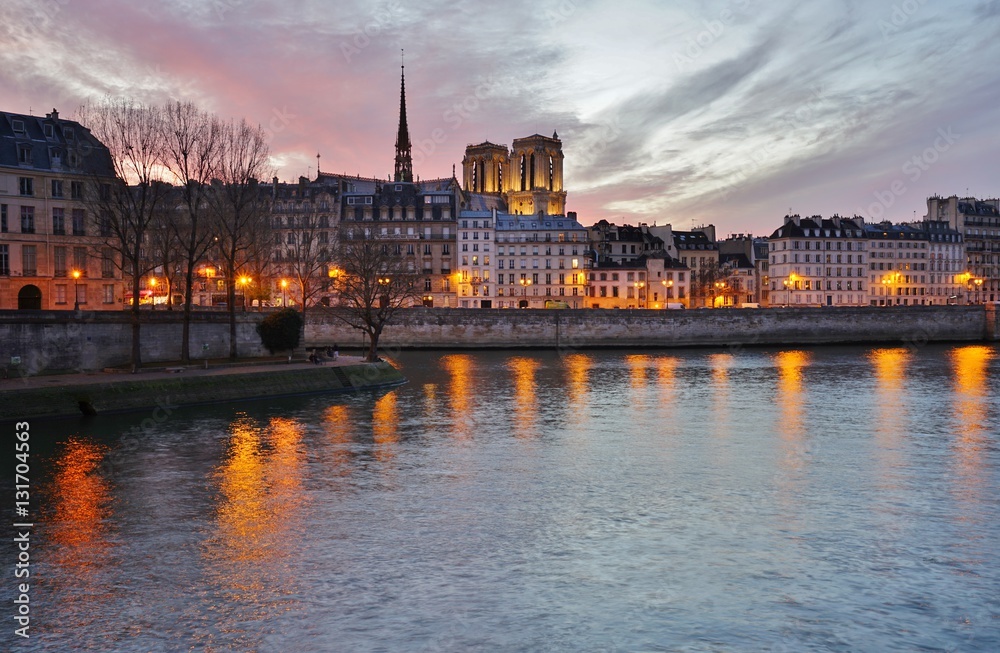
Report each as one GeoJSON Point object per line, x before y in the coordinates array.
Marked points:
{"type": "Point", "coordinates": [687, 112]}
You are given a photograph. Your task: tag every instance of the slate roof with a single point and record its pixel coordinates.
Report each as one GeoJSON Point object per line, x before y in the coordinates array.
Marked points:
{"type": "Point", "coordinates": [53, 144]}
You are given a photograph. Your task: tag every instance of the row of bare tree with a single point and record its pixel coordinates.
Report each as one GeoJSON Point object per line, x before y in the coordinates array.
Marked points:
{"type": "Point", "coordinates": [185, 186]}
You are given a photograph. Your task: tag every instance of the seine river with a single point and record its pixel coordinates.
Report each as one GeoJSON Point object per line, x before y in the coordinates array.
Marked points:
{"type": "Point", "coordinates": [823, 499]}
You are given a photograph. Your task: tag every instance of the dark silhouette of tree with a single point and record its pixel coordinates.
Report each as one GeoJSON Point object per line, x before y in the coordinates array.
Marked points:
{"type": "Point", "coordinates": [375, 282]}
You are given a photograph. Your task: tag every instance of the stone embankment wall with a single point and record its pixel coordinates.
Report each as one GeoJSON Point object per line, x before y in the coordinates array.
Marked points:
{"type": "Point", "coordinates": [49, 341]}
{"type": "Point", "coordinates": [498, 328]}
{"type": "Point", "coordinates": [124, 392]}
{"type": "Point", "coordinates": [54, 341]}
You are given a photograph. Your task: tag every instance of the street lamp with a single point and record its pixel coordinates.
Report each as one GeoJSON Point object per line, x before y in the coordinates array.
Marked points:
{"type": "Point", "coordinates": [284, 285]}
{"type": "Point", "coordinates": [720, 287]}
{"type": "Point", "coordinates": [639, 285]}
{"type": "Point", "coordinates": [384, 298]}
{"type": "Point", "coordinates": [334, 275]}
{"type": "Point", "coordinates": [244, 281]}
{"type": "Point", "coordinates": [666, 284]}
{"type": "Point", "coordinates": [152, 293]}
{"type": "Point", "coordinates": [525, 282]}
{"type": "Point", "coordinates": [979, 284]}
{"type": "Point", "coordinates": [76, 290]}
{"type": "Point", "coordinates": [789, 284]}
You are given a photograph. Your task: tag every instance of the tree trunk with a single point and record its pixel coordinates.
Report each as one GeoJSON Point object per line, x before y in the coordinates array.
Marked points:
{"type": "Point", "coordinates": [186, 328]}
{"type": "Point", "coordinates": [231, 295]}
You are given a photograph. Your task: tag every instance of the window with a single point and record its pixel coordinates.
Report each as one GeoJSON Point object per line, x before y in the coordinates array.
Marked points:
{"type": "Point", "coordinates": [81, 293]}
{"type": "Point", "coordinates": [107, 263]}
{"type": "Point", "coordinates": [5, 260]}
{"type": "Point", "coordinates": [80, 260]}
{"type": "Point", "coordinates": [26, 185]}
{"type": "Point", "coordinates": [59, 261]}
{"type": "Point", "coordinates": [60, 293]}
{"type": "Point", "coordinates": [76, 190]}
{"type": "Point", "coordinates": [27, 219]}
{"type": "Point", "coordinates": [108, 293]}
{"type": "Point", "coordinates": [79, 219]}
{"type": "Point", "coordinates": [18, 126]}
{"type": "Point", "coordinates": [3, 218]}
{"type": "Point", "coordinates": [29, 261]}
{"type": "Point", "coordinates": [24, 154]}
{"type": "Point", "coordinates": [59, 221]}
{"type": "Point", "coordinates": [427, 285]}
{"type": "Point", "coordinates": [57, 188]}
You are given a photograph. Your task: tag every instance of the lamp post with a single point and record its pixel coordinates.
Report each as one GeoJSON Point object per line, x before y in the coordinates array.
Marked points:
{"type": "Point", "coordinates": [76, 290]}
{"type": "Point", "coordinates": [720, 287]}
{"type": "Point", "coordinates": [666, 284]}
{"type": "Point", "coordinates": [789, 284]}
{"type": "Point", "coordinates": [979, 285]}
{"type": "Point", "coordinates": [639, 285]}
{"type": "Point", "coordinates": [284, 285]}
{"type": "Point", "coordinates": [152, 293]}
{"type": "Point", "coordinates": [334, 275]}
{"type": "Point", "coordinates": [384, 296]}
{"type": "Point", "coordinates": [244, 281]}
{"type": "Point", "coordinates": [525, 282]}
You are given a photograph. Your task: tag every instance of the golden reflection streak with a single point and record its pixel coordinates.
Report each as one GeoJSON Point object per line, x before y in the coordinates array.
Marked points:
{"type": "Point", "coordinates": [459, 368]}
{"type": "Point", "coordinates": [970, 366]}
{"type": "Point", "coordinates": [385, 427]}
{"type": "Point", "coordinates": [525, 396]}
{"type": "Point", "coordinates": [666, 381]}
{"type": "Point", "coordinates": [578, 387]}
{"type": "Point", "coordinates": [260, 490]}
{"type": "Point", "coordinates": [638, 365]}
{"type": "Point", "coordinates": [80, 500]}
{"type": "Point", "coordinates": [890, 367]}
{"type": "Point", "coordinates": [720, 385]}
{"type": "Point", "coordinates": [791, 425]}
{"type": "Point", "coordinates": [337, 423]}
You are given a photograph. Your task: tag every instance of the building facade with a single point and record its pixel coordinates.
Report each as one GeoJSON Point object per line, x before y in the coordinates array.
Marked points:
{"type": "Point", "coordinates": [978, 221]}
{"type": "Point", "coordinates": [52, 254]}
{"type": "Point", "coordinates": [819, 262]}
{"type": "Point", "coordinates": [914, 264]}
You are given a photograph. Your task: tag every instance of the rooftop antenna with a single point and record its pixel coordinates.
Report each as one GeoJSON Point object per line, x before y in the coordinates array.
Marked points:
{"type": "Point", "coordinates": [317, 164]}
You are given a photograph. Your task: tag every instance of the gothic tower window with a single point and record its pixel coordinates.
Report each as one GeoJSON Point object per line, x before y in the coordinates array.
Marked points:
{"type": "Point", "coordinates": [524, 172]}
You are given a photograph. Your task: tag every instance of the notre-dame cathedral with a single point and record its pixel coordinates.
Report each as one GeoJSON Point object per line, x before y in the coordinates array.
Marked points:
{"type": "Point", "coordinates": [528, 177]}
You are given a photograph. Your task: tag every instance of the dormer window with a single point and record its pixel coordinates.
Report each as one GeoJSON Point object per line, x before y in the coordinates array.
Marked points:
{"type": "Point", "coordinates": [24, 154]}
{"type": "Point", "coordinates": [68, 133]}
{"type": "Point", "coordinates": [50, 131]}
{"type": "Point", "coordinates": [18, 126]}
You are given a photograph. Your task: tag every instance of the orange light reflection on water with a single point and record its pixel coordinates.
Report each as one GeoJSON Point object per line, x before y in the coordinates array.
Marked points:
{"type": "Point", "coordinates": [459, 368]}
{"type": "Point", "coordinates": [791, 399]}
{"type": "Point", "coordinates": [525, 396]}
{"type": "Point", "coordinates": [970, 365]}
{"type": "Point", "coordinates": [890, 367]}
{"type": "Point", "coordinates": [385, 427]}
{"type": "Point", "coordinates": [578, 387]}
{"type": "Point", "coordinates": [80, 499]}
{"type": "Point", "coordinates": [721, 408]}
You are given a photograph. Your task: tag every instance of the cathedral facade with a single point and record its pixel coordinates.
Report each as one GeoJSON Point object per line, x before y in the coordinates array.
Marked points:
{"type": "Point", "coordinates": [528, 177]}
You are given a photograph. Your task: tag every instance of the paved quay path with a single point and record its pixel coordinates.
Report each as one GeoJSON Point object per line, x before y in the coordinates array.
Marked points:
{"type": "Point", "coordinates": [157, 372]}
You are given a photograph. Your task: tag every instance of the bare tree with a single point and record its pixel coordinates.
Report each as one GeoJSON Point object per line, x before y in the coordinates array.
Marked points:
{"type": "Point", "coordinates": [376, 281]}
{"type": "Point", "coordinates": [259, 254]}
{"type": "Point", "coordinates": [192, 142]}
{"type": "Point", "coordinates": [161, 246]}
{"type": "Point", "coordinates": [308, 258]}
{"type": "Point", "coordinates": [238, 203]}
{"type": "Point", "coordinates": [126, 206]}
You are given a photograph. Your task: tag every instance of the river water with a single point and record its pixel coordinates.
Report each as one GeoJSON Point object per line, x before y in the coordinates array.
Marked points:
{"type": "Point", "coordinates": [825, 499]}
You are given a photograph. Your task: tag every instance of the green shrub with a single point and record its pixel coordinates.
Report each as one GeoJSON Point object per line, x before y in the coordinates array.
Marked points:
{"type": "Point", "coordinates": [280, 331]}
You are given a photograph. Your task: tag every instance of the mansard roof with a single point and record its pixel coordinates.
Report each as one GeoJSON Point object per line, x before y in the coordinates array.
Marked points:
{"type": "Point", "coordinates": [819, 227]}
{"type": "Point", "coordinates": [52, 144]}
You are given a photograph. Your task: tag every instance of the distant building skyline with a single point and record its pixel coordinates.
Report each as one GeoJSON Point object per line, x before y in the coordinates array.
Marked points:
{"type": "Point", "coordinates": [730, 113]}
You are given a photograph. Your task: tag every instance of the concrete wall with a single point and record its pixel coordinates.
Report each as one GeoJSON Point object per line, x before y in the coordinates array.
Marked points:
{"type": "Point", "coordinates": [59, 341]}
{"type": "Point", "coordinates": [48, 341]}
{"type": "Point", "coordinates": [498, 328]}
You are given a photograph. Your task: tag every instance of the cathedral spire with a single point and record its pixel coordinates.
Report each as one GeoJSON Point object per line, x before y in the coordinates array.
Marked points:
{"type": "Point", "coordinates": [404, 162]}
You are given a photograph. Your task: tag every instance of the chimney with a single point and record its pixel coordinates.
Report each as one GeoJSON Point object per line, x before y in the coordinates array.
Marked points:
{"type": "Point", "coordinates": [54, 115]}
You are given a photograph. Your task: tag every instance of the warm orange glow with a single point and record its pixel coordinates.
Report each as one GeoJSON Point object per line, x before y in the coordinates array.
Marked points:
{"type": "Point", "coordinates": [333, 273]}
{"type": "Point", "coordinates": [284, 283]}
{"type": "Point", "coordinates": [721, 408]}
{"type": "Point", "coordinates": [152, 282]}
{"type": "Point", "coordinates": [460, 387]}
{"type": "Point", "coordinates": [890, 367]}
{"type": "Point", "coordinates": [525, 396]}
{"type": "Point", "coordinates": [81, 503]}
{"type": "Point", "coordinates": [638, 366]}
{"type": "Point", "coordinates": [337, 424]}
{"type": "Point", "coordinates": [243, 519]}
{"type": "Point", "coordinates": [971, 409]}
{"type": "Point", "coordinates": [666, 381]}
{"type": "Point", "coordinates": [385, 427]}
{"type": "Point", "coordinates": [577, 372]}
{"type": "Point", "coordinates": [76, 274]}
{"type": "Point", "coordinates": [790, 398]}
{"type": "Point", "coordinates": [243, 281]}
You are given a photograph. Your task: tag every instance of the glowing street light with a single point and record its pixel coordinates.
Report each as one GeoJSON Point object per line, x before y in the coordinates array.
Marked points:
{"type": "Point", "coordinates": [284, 285]}
{"type": "Point", "coordinates": [666, 284]}
{"type": "Point", "coordinates": [244, 282]}
{"type": "Point", "coordinates": [639, 285]}
{"type": "Point", "coordinates": [152, 293]}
